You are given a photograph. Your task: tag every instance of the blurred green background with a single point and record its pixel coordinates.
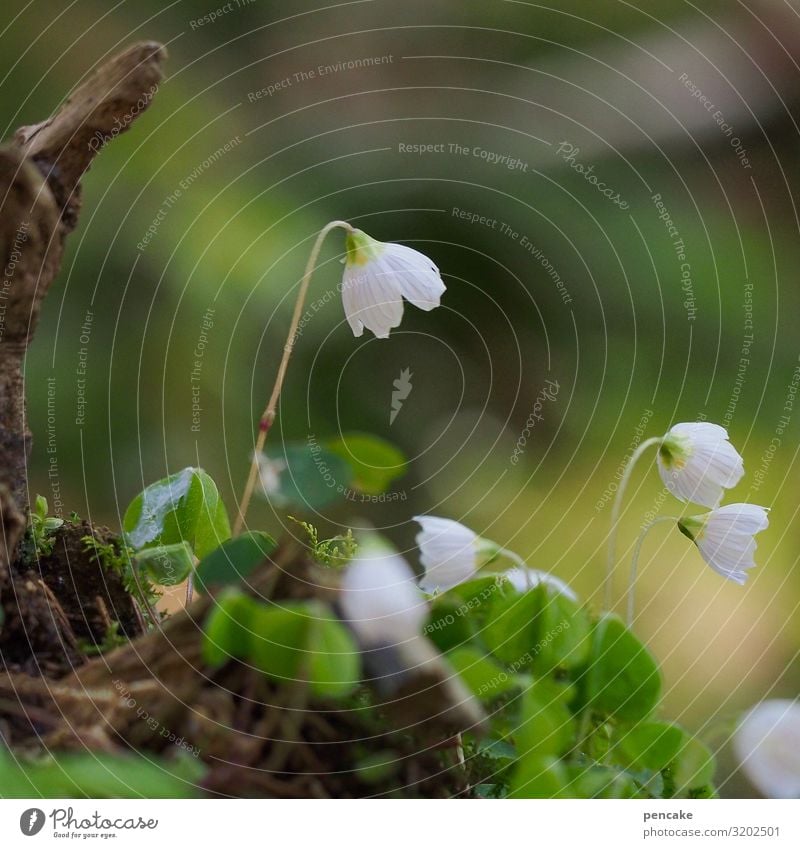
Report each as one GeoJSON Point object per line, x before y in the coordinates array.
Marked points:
{"type": "Point", "coordinates": [249, 148]}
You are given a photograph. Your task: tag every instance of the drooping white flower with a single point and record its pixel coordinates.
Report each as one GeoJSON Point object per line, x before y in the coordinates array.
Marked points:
{"type": "Point", "coordinates": [523, 579]}
{"type": "Point", "coordinates": [269, 474]}
{"type": "Point", "coordinates": [377, 276]}
{"type": "Point", "coordinates": [767, 744]}
{"type": "Point", "coordinates": [450, 552]}
{"type": "Point", "coordinates": [380, 599]}
{"type": "Point", "coordinates": [724, 537]}
{"type": "Point", "coordinates": [696, 462]}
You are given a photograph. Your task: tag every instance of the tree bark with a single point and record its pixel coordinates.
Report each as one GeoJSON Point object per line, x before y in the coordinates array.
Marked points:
{"type": "Point", "coordinates": [40, 199]}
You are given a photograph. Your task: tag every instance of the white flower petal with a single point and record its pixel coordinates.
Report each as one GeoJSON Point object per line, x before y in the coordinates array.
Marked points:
{"type": "Point", "coordinates": [523, 579]}
{"type": "Point", "coordinates": [697, 462]}
{"type": "Point", "coordinates": [725, 540]}
{"type": "Point", "coordinates": [380, 599]}
{"type": "Point", "coordinates": [421, 284]}
{"type": "Point", "coordinates": [767, 744]}
{"type": "Point", "coordinates": [378, 276]}
{"type": "Point", "coordinates": [448, 551]}
{"type": "Point", "coordinates": [372, 300]}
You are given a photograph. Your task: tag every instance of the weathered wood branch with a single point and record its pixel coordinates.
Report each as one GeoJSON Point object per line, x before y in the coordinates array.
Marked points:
{"type": "Point", "coordinates": [40, 191]}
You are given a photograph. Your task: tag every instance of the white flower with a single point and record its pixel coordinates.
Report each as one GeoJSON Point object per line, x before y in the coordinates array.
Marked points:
{"type": "Point", "coordinates": [380, 599]}
{"type": "Point", "coordinates": [724, 537]}
{"type": "Point", "coordinates": [269, 474]}
{"type": "Point", "coordinates": [449, 551]}
{"type": "Point", "coordinates": [523, 579]}
{"type": "Point", "coordinates": [767, 743]}
{"type": "Point", "coordinates": [696, 462]}
{"type": "Point", "coordinates": [377, 276]}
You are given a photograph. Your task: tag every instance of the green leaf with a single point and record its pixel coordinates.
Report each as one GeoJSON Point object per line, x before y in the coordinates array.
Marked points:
{"type": "Point", "coordinates": [482, 675]}
{"type": "Point", "coordinates": [167, 565]}
{"type": "Point", "coordinates": [448, 627]}
{"type": "Point", "coordinates": [228, 628]}
{"type": "Point", "coordinates": [303, 641]}
{"type": "Point", "coordinates": [539, 777]}
{"type": "Point", "coordinates": [652, 745]}
{"type": "Point", "coordinates": [334, 669]}
{"type": "Point", "coordinates": [375, 462]}
{"type": "Point", "coordinates": [564, 630]}
{"type": "Point", "coordinates": [623, 679]}
{"type": "Point", "coordinates": [497, 749]}
{"type": "Point", "coordinates": [602, 781]}
{"type": "Point", "coordinates": [184, 507]}
{"type": "Point", "coordinates": [279, 641]}
{"type": "Point", "coordinates": [693, 769]}
{"type": "Point", "coordinates": [234, 560]}
{"type": "Point", "coordinates": [312, 477]}
{"type": "Point", "coordinates": [546, 726]}
{"type": "Point", "coordinates": [98, 775]}
{"type": "Point", "coordinates": [512, 627]}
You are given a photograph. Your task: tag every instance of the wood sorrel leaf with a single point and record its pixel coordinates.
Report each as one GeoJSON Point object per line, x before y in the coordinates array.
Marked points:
{"type": "Point", "coordinates": [482, 675]}
{"type": "Point", "coordinates": [512, 626]}
{"type": "Point", "coordinates": [651, 745]}
{"type": "Point", "coordinates": [623, 680]}
{"type": "Point", "coordinates": [167, 565]}
{"type": "Point", "coordinates": [184, 507]}
{"type": "Point", "coordinates": [334, 669]}
{"type": "Point", "coordinates": [375, 462]}
{"type": "Point", "coordinates": [545, 726]}
{"type": "Point", "coordinates": [311, 476]}
{"type": "Point", "coordinates": [227, 630]}
{"type": "Point", "coordinates": [693, 769]}
{"type": "Point", "coordinates": [234, 560]}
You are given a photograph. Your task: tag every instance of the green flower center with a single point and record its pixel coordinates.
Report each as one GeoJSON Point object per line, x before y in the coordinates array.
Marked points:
{"type": "Point", "coordinates": [361, 248]}
{"type": "Point", "coordinates": [674, 452]}
{"type": "Point", "coordinates": [692, 527]}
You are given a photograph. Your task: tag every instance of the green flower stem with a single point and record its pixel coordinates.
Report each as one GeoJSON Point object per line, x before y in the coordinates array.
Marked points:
{"type": "Point", "coordinates": [268, 416]}
{"type": "Point", "coordinates": [635, 561]}
{"type": "Point", "coordinates": [519, 562]}
{"type": "Point", "coordinates": [615, 515]}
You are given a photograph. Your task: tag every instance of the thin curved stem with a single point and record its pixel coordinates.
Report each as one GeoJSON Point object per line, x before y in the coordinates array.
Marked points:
{"type": "Point", "coordinates": [635, 561]}
{"type": "Point", "coordinates": [519, 562]}
{"type": "Point", "coordinates": [268, 416]}
{"type": "Point", "coordinates": [615, 513]}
